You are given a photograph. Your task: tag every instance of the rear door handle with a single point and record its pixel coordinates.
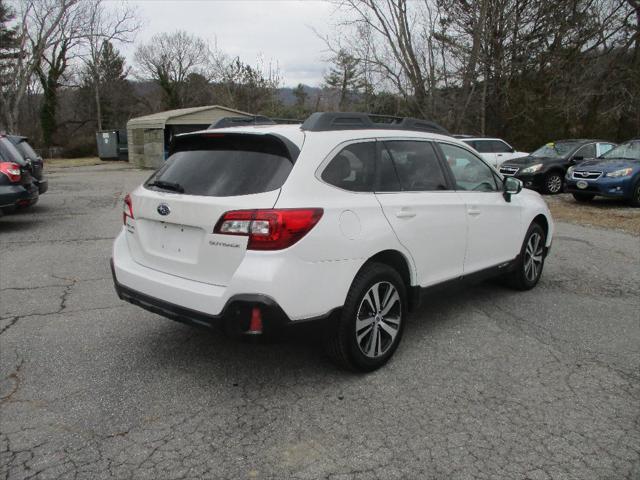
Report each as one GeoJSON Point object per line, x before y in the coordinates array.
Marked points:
{"type": "Point", "coordinates": [405, 213]}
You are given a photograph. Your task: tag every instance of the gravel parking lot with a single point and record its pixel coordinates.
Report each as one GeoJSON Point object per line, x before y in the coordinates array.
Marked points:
{"type": "Point", "coordinates": [488, 383]}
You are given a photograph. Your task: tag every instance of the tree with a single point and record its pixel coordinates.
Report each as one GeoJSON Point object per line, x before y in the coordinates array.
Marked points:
{"type": "Point", "coordinates": [169, 58]}
{"type": "Point", "coordinates": [9, 44]}
{"type": "Point", "coordinates": [301, 96]}
{"type": "Point", "coordinates": [108, 76]}
{"type": "Point", "coordinates": [344, 76]}
{"type": "Point", "coordinates": [249, 88]}
{"type": "Point", "coordinates": [40, 26]}
{"type": "Point", "coordinates": [104, 27]}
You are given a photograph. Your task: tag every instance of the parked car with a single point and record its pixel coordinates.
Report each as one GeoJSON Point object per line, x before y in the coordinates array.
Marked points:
{"type": "Point", "coordinates": [494, 150]}
{"type": "Point", "coordinates": [34, 161]}
{"type": "Point", "coordinates": [340, 222]}
{"type": "Point", "coordinates": [544, 170]}
{"type": "Point", "coordinates": [615, 174]}
{"type": "Point", "coordinates": [16, 185]}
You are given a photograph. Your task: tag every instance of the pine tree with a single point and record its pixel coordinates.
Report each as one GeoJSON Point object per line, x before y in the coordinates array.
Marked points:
{"type": "Point", "coordinates": [8, 44]}
{"type": "Point", "coordinates": [345, 76]}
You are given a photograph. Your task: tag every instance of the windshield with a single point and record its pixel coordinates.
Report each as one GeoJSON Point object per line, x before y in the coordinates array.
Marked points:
{"type": "Point", "coordinates": [629, 150]}
{"type": "Point", "coordinates": [222, 165]}
{"type": "Point", "coordinates": [555, 150]}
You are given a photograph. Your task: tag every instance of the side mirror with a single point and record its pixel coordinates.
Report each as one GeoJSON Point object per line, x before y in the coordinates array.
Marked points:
{"type": "Point", "coordinates": [511, 186]}
{"type": "Point", "coordinates": [577, 158]}
{"type": "Point", "coordinates": [512, 150]}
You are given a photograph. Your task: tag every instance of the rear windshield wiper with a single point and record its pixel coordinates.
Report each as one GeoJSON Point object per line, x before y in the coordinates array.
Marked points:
{"type": "Point", "coordinates": [175, 187]}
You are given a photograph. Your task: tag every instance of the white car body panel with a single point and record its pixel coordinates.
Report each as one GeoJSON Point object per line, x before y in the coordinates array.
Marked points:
{"type": "Point", "coordinates": [496, 159]}
{"type": "Point", "coordinates": [441, 235]}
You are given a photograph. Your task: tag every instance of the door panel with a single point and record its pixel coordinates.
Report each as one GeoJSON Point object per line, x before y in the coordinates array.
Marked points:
{"type": "Point", "coordinates": [493, 224]}
{"type": "Point", "coordinates": [426, 214]}
{"type": "Point", "coordinates": [433, 227]}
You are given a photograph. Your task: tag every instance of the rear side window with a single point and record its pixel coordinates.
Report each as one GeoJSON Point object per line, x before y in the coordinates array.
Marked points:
{"type": "Point", "coordinates": [223, 165]}
{"type": "Point", "coordinates": [499, 147]}
{"type": "Point", "coordinates": [353, 168]}
{"type": "Point", "coordinates": [482, 146]}
{"type": "Point", "coordinates": [417, 165]}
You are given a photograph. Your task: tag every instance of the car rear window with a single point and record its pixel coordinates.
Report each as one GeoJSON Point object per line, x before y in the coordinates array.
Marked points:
{"type": "Point", "coordinates": [223, 165]}
{"type": "Point", "coordinates": [9, 153]}
{"type": "Point", "coordinates": [26, 150]}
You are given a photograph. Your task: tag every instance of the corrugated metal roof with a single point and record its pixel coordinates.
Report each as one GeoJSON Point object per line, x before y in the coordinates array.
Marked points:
{"type": "Point", "coordinates": [160, 119]}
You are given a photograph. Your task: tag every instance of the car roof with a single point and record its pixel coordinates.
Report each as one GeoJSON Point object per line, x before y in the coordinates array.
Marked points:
{"type": "Point", "coordinates": [295, 134]}
{"type": "Point", "coordinates": [474, 139]}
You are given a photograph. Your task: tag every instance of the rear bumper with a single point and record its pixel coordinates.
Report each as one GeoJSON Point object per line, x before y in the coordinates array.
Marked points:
{"type": "Point", "coordinates": [15, 195]}
{"type": "Point", "coordinates": [235, 317]}
{"type": "Point", "coordinates": [43, 185]}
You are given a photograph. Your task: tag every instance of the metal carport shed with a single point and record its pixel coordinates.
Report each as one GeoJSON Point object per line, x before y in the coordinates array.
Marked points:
{"type": "Point", "coordinates": [149, 136]}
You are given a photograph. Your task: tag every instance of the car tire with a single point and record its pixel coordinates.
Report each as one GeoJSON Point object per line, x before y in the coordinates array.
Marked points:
{"type": "Point", "coordinates": [553, 183]}
{"type": "Point", "coordinates": [583, 197]}
{"type": "Point", "coordinates": [634, 201]}
{"type": "Point", "coordinates": [364, 336]}
{"type": "Point", "coordinates": [528, 268]}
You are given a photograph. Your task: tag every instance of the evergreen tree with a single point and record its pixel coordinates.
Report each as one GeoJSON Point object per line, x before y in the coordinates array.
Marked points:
{"type": "Point", "coordinates": [344, 76]}
{"type": "Point", "coordinates": [8, 44]}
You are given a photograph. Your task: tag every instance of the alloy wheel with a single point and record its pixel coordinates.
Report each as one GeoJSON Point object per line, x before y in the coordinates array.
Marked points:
{"type": "Point", "coordinates": [533, 256]}
{"type": "Point", "coordinates": [554, 184]}
{"type": "Point", "coordinates": [378, 319]}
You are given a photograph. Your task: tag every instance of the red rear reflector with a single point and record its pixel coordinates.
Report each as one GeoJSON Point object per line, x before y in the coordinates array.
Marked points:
{"type": "Point", "coordinates": [272, 229]}
{"type": "Point", "coordinates": [127, 209]}
{"type": "Point", "coordinates": [11, 171]}
{"type": "Point", "coordinates": [255, 326]}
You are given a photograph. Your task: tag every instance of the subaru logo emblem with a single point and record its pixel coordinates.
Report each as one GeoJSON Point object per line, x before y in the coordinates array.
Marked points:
{"type": "Point", "coordinates": [163, 209]}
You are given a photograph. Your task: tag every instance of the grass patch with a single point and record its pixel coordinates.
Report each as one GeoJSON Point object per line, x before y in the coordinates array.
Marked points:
{"type": "Point", "coordinates": [600, 212]}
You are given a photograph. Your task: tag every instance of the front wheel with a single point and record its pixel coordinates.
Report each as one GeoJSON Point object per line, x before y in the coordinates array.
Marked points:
{"type": "Point", "coordinates": [552, 183]}
{"type": "Point", "coordinates": [370, 325]}
{"type": "Point", "coordinates": [583, 197]}
{"type": "Point", "coordinates": [528, 270]}
{"type": "Point", "coordinates": [635, 195]}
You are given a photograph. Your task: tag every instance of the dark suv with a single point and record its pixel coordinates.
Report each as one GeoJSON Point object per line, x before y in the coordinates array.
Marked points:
{"type": "Point", "coordinates": [33, 160]}
{"type": "Point", "coordinates": [16, 185]}
{"type": "Point", "coordinates": [544, 170]}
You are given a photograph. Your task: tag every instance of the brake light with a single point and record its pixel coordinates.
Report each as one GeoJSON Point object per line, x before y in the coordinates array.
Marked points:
{"type": "Point", "coordinates": [127, 209]}
{"type": "Point", "coordinates": [11, 171]}
{"type": "Point", "coordinates": [272, 229]}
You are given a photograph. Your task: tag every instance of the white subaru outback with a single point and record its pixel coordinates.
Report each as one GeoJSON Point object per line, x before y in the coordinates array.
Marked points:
{"type": "Point", "coordinates": [343, 221]}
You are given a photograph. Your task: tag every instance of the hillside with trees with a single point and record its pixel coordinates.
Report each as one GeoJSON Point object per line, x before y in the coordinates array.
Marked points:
{"type": "Point", "coordinates": [529, 71]}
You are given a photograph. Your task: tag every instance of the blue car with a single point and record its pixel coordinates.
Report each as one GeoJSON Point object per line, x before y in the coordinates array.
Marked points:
{"type": "Point", "coordinates": [616, 174]}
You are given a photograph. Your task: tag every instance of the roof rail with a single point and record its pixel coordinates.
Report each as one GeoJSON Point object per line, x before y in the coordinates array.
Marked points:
{"type": "Point", "coordinates": [327, 121]}
{"type": "Point", "coordinates": [225, 122]}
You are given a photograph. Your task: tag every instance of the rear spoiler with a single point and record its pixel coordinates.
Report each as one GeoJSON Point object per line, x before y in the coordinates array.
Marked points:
{"type": "Point", "coordinates": [194, 141]}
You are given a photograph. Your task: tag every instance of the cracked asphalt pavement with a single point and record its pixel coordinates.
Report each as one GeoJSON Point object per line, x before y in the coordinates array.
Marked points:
{"type": "Point", "coordinates": [487, 384]}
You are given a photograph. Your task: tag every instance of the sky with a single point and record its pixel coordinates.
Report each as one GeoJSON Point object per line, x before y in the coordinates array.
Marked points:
{"type": "Point", "coordinates": [275, 30]}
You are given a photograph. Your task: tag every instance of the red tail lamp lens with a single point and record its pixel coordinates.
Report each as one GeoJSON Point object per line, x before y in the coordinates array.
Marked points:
{"type": "Point", "coordinates": [272, 229]}
{"type": "Point", "coordinates": [127, 210]}
{"type": "Point", "coordinates": [11, 171]}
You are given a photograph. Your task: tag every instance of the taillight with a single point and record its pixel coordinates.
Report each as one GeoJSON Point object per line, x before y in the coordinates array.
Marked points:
{"type": "Point", "coordinates": [272, 229]}
{"type": "Point", "coordinates": [127, 209]}
{"type": "Point", "coordinates": [11, 170]}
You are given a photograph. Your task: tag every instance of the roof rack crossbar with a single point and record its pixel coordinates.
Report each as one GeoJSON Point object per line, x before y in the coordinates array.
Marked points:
{"type": "Point", "coordinates": [328, 121]}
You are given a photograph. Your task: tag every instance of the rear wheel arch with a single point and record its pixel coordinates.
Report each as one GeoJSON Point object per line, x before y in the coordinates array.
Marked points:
{"type": "Point", "coordinates": [400, 263]}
